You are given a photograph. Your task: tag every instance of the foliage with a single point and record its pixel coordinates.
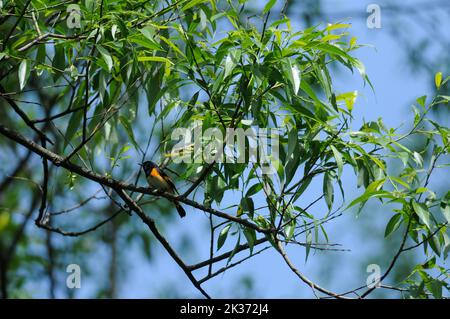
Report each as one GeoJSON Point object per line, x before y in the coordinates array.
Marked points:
{"type": "Point", "coordinates": [110, 93]}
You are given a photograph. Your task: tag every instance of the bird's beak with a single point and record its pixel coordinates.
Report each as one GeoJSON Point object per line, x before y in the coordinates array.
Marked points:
{"type": "Point", "coordinates": [139, 164]}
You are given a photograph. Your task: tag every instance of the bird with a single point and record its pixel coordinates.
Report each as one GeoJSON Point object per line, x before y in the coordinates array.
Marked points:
{"type": "Point", "coordinates": [159, 180]}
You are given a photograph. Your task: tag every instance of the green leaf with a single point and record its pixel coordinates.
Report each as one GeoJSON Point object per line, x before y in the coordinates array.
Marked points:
{"type": "Point", "coordinates": [363, 176]}
{"type": "Point", "coordinates": [302, 188]}
{"type": "Point", "coordinates": [308, 90]}
{"type": "Point", "coordinates": [435, 287]}
{"type": "Point", "coordinates": [248, 205]}
{"type": "Point", "coordinates": [4, 220]}
{"type": "Point", "coordinates": [193, 100]}
{"type": "Point", "coordinates": [362, 70]}
{"type": "Point", "coordinates": [292, 142]}
{"type": "Point", "coordinates": [154, 89]}
{"type": "Point", "coordinates": [328, 190]}
{"type": "Point", "coordinates": [438, 80]}
{"type": "Point", "coordinates": [292, 165]}
{"type": "Point", "coordinates": [113, 31]}
{"type": "Point", "coordinates": [269, 5]}
{"type": "Point", "coordinates": [59, 62]}
{"type": "Point", "coordinates": [367, 195]}
{"type": "Point", "coordinates": [289, 229]}
{"type": "Point", "coordinates": [401, 182]}
{"type": "Point", "coordinates": [253, 190]}
{"type": "Point", "coordinates": [393, 224]}
{"type": "Point", "coordinates": [446, 245]}
{"type": "Point", "coordinates": [446, 212]}
{"type": "Point", "coordinates": [435, 243]}
{"type": "Point", "coordinates": [422, 100]}
{"type": "Point", "coordinates": [375, 185]}
{"type": "Point", "coordinates": [231, 61]}
{"type": "Point", "coordinates": [172, 45]}
{"type": "Point", "coordinates": [338, 157]}
{"type": "Point", "coordinates": [72, 127]}
{"type": "Point", "coordinates": [234, 249]}
{"type": "Point", "coordinates": [144, 42]}
{"type": "Point", "coordinates": [349, 98]}
{"type": "Point", "coordinates": [149, 33]}
{"type": "Point", "coordinates": [404, 157]}
{"type": "Point", "coordinates": [421, 190]}
{"type": "Point", "coordinates": [192, 3]}
{"type": "Point", "coordinates": [24, 73]}
{"type": "Point", "coordinates": [295, 78]}
{"type": "Point", "coordinates": [90, 5]}
{"type": "Point", "coordinates": [250, 235]}
{"type": "Point", "coordinates": [106, 56]}
{"type": "Point", "coordinates": [293, 155]}
{"type": "Point", "coordinates": [335, 26]}
{"type": "Point", "coordinates": [418, 159]}
{"type": "Point", "coordinates": [308, 244]}
{"type": "Point", "coordinates": [128, 129]}
{"type": "Point", "coordinates": [223, 236]}
{"type": "Point", "coordinates": [155, 59]}
{"type": "Point", "coordinates": [423, 213]}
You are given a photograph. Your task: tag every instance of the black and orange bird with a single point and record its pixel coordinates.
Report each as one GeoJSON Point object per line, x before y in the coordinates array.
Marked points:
{"type": "Point", "coordinates": [159, 180]}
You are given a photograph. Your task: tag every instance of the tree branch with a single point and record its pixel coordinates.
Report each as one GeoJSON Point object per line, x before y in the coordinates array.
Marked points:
{"type": "Point", "coordinates": [22, 114]}
{"type": "Point", "coordinates": [154, 229]}
{"type": "Point", "coordinates": [303, 277]}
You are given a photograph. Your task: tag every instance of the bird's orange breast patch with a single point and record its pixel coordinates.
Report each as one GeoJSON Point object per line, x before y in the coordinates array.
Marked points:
{"type": "Point", "coordinates": [157, 180]}
{"type": "Point", "coordinates": [154, 172]}
{"type": "Point", "coordinates": [157, 175]}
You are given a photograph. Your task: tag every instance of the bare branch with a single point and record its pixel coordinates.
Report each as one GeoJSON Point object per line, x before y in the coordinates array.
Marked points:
{"type": "Point", "coordinates": [221, 270]}
{"type": "Point", "coordinates": [303, 277]}
{"type": "Point", "coordinates": [154, 229]}
{"type": "Point", "coordinates": [79, 233]}
{"type": "Point", "coordinates": [23, 115]}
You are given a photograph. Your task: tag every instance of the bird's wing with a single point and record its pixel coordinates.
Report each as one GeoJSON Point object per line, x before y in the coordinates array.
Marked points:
{"type": "Point", "coordinates": [168, 180]}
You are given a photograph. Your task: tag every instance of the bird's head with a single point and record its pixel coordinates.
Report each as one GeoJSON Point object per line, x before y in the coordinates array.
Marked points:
{"type": "Point", "coordinates": [147, 167]}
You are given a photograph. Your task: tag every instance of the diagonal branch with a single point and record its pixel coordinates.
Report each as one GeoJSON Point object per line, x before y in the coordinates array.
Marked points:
{"type": "Point", "coordinates": [22, 114]}
{"type": "Point", "coordinates": [393, 262]}
{"type": "Point", "coordinates": [223, 269]}
{"type": "Point", "coordinates": [303, 277]}
{"type": "Point", "coordinates": [79, 233]}
{"type": "Point", "coordinates": [154, 229]}
{"type": "Point", "coordinates": [118, 186]}
{"type": "Point", "coordinates": [226, 255]}
{"type": "Point", "coordinates": [24, 9]}
{"type": "Point", "coordinates": [44, 187]}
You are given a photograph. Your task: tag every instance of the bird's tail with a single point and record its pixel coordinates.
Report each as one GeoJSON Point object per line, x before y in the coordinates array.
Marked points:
{"type": "Point", "coordinates": [180, 209]}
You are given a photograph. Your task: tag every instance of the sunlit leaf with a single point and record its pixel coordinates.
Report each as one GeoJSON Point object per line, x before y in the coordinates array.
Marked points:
{"type": "Point", "coordinates": [338, 158]}
{"type": "Point", "coordinates": [422, 211]}
{"type": "Point", "coordinates": [106, 57]}
{"type": "Point", "coordinates": [393, 224]}
{"type": "Point", "coordinates": [73, 126]}
{"type": "Point", "coordinates": [269, 5]}
{"type": "Point", "coordinates": [438, 80]}
{"type": "Point", "coordinates": [328, 190]}
{"type": "Point", "coordinates": [250, 235]}
{"type": "Point", "coordinates": [24, 73]}
{"type": "Point", "coordinates": [223, 236]}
